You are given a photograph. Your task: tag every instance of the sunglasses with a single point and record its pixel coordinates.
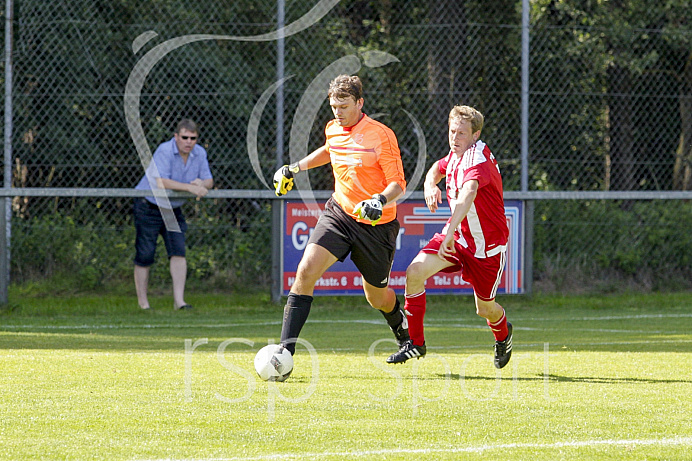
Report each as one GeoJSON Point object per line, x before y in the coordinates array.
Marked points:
{"type": "Point", "coordinates": [193, 138]}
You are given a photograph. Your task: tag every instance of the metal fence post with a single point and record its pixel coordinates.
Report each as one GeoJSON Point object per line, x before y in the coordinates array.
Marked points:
{"type": "Point", "coordinates": [525, 50]}
{"type": "Point", "coordinates": [277, 228]}
{"type": "Point", "coordinates": [277, 208]}
{"type": "Point", "coordinates": [6, 219]}
{"type": "Point", "coordinates": [529, 206]}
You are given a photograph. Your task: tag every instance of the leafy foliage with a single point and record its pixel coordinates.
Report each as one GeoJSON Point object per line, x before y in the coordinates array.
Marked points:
{"type": "Point", "coordinates": [600, 244]}
{"type": "Point", "coordinates": [223, 251]}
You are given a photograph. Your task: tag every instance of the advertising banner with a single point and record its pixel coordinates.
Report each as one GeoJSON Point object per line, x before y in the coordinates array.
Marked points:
{"type": "Point", "coordinates": [418, 225]}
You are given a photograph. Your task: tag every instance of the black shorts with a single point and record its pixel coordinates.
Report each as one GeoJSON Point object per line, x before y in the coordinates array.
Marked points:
{"type": "Point", "coordinates": [371, 247]}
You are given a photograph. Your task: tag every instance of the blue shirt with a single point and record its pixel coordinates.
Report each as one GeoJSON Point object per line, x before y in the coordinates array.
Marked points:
{"type": "Point", "coordinates": [170, 165]}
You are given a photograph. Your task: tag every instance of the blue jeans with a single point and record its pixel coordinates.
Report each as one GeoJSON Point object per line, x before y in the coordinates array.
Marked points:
{"type": "Point", "coordinates": [149, 224]}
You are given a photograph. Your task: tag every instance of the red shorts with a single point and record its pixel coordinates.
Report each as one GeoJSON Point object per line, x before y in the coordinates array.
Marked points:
{"type": "Point", "coordinates": [482, 273]}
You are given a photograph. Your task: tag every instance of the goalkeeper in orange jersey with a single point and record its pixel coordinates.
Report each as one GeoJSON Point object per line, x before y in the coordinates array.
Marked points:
{"type": "Point", "coordinates": [360, 217]}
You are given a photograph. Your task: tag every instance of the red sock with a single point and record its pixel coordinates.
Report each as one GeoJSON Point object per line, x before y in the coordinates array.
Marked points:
{"type": "Point", "coordinates": [499, 328]}
{"type": "Point", "coordinates": [415, 311]}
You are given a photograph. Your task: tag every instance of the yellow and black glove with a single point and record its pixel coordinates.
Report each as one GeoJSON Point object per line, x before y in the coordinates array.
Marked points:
{"type": "Point", "coordinates": [371, 209]}
{"type": "Point", "coordinates": [283, 178]}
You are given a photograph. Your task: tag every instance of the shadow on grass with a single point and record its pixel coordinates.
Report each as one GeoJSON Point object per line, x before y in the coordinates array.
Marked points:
{"type": "Point", "coordinates": [564, 379]}
{"type": "Point", "coordinates": [602, 380]}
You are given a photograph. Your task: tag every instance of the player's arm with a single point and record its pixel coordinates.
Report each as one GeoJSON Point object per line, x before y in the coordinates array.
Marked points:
{"type": "Point", "coordinates": [318, 157]}
{"type": "Point", "coordinates": [432, 193]}
{"type": "Point", "coordinates": [393, 170]}
{"type": "Point", "coordinates": [283, 178]}
{"type": "Point", "coordinates": [389, 159]}
{"type": "Point", "coordinates": [462, 205]}
{"type": "Point", "coordinates": [392, 192]}
{"type": "Point", "coordinates": [371, 209]}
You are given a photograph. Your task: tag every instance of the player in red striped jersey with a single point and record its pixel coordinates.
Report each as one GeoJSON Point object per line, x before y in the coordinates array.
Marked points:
{"type": "Point", "coordinates": [473, 241]}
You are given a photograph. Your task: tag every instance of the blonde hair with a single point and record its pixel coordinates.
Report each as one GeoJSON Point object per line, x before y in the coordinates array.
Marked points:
{"type": "Point", "coordinates": [469, 114]}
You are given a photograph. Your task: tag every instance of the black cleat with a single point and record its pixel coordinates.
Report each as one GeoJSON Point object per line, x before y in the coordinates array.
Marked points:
{"type": "Point", "coordinates": [503, 349]}
{"type": "Point", "coordinates": [407, 351]}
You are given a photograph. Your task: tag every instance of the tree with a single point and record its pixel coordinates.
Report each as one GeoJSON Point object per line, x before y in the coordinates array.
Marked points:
{"type": "Point", "coordinates": [637, 49]}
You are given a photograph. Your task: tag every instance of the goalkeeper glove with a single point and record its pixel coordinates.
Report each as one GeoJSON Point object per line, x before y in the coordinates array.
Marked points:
{"type": "Point", "coordinates": [283, 178]}
{"type": "Point", "coordinates": [371, 209]}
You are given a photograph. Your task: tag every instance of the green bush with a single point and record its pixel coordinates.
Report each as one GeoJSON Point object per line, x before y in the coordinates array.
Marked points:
{"type": "Point", "coordinates": [598, 243]}
{"type": "Point", "coordinates": [84, 255]}
{"type": "Point", "coordinates": [70, 256]}
{"type": "Point", "coordinates": [578, 245]}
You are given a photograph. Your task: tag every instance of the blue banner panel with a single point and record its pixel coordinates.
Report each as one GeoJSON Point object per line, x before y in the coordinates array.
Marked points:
{"type": "Point", "coordinates": [418, 225]}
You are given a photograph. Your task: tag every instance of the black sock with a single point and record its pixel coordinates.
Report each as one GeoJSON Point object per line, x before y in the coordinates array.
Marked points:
{"type": "Point", "coordinates": [296, 314]}
{"type": "Point", "coordinates": [395, 317]}
{"type": "Point", "coordinates": [398, 323]}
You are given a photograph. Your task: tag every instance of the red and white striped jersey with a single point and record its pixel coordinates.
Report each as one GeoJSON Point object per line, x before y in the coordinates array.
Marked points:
{"type": "Point", "coordinates": [484, 229]}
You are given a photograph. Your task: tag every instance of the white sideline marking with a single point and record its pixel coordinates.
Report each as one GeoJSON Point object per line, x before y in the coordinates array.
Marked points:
{"type": "Point", "coordinates": [613, 317]}
{"type": "Point", "coordinates": [526, 346]}
{"type": "Point", "coordinates": [431, 322]}
{"type": "Point", "coordinates": [170, 325]}
{"type": "Point", "coordinates": [479, 449]}
{"type": "Point", "coordinates": [638, 316]}
{"type": "Point", "coordinates": [523, 328]}
{"type": "Point", "coordinates": [519, 318]}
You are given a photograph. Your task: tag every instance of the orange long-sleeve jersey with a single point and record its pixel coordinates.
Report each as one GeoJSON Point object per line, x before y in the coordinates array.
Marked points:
{"type": "Point", "coordinates": [365, 159]}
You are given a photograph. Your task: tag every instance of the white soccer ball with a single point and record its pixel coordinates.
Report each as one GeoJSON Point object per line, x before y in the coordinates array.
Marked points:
{"type": "Point", "coordinates": [273, 363]}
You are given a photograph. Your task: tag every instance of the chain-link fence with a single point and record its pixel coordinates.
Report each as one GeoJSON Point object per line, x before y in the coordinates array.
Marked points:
{"type": "Point", "coordinates": [609, 104]}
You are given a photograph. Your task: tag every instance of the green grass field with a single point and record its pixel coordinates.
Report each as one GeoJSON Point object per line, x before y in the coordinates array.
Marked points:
{"type": "Point", "coordinates": [592, 377]}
